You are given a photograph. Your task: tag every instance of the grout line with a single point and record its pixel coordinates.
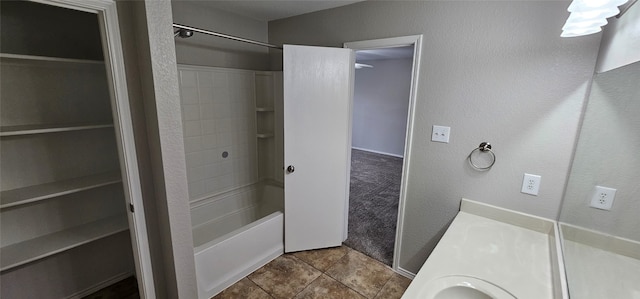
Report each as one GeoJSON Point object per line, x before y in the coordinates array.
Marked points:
{"type": "Point", "coordinates": [265, 291]}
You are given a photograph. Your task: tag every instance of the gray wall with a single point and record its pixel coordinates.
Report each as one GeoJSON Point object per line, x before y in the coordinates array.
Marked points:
{"type": "Point", "coordinates": [607, 155]}
{"type": "Point", "coordinates": [620, 41]}
{"type": "Point", "coordinates": [494, 71]}
{"type": "Point", "coordinates": [65, 27]}
{"type": "Point", "coordinates": [155, 107]}
{"type": "Point", "coordinates": [213, 51]}
{"type": "Point", "coordinates": [380, 106]}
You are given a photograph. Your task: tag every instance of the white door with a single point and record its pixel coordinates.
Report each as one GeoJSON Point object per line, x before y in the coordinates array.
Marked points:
{"type": "Point", "coordinates": [318, 89]}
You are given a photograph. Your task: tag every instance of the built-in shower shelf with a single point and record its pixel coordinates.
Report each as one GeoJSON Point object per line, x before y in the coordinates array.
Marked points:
{"type": "Point", "coordinates": [49, 128]}
{"type": "Point", "coordinates": [48, 59]}
{"type": "Point", "coordinates": [265, 109]}
{"type": "Point", "coordinates": [21, 196]}
{"type": "Point", "coordinates": [28, 251]}
{"type": "Point", "coordinates": [265, 135]}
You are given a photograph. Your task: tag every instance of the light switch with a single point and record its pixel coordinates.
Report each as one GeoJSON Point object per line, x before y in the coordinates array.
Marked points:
{"type": "Point", "coordinates": [440, 134]}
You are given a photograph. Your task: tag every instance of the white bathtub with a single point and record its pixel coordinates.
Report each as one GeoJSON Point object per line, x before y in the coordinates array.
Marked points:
{"type": "Point", "coordinates": [235, 234]}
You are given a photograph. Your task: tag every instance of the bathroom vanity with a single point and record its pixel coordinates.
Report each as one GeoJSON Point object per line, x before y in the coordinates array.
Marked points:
{"type": "Point", "coordinates": [491, 252]}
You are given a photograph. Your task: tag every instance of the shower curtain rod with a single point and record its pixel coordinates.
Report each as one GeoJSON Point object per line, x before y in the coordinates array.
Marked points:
{"type": "Point", "coordinates": [231, 37]}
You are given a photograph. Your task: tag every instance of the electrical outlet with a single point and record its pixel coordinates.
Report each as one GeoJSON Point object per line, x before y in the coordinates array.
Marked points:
{"type": "Point", "coordinates": [531, 184]}
{"type": "Point", "coordinates": [602, 198]}
{"type": "Point", "coordinates": [440, 134]}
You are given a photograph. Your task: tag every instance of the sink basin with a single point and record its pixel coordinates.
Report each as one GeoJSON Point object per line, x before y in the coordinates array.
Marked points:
{"type": "Point", "coordinates": [462, 287]}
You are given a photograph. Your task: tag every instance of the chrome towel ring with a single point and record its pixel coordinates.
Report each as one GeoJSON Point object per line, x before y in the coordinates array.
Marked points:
{"type": "Point", "coordinates": [484, 147]}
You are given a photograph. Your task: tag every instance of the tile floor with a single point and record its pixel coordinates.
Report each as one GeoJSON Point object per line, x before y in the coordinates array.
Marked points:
{"type": "Point", "coordinates": [339, 272]}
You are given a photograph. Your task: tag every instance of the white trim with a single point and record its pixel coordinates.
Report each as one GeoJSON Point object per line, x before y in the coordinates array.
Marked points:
{"type": "Point", "coordinates": [405, 273]}
{"type": "Point", "coordinates": [116, 77]}
{"type": "Point", "coordinates": [415, 40]}
{"type": "Point", "coordinates": [376, 152]}
{"type": "Point", "coordinates": [105, 283]}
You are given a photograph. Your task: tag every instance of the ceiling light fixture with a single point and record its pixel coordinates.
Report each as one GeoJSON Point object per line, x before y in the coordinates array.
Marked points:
{"type": "Point", "coordinates": [588, 16]}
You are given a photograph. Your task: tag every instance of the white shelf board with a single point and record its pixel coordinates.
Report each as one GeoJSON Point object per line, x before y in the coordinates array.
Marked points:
{"type": "Point", "coordinates": [265, 109]}
{"type": "Point", "coordinates": [264, 135]}
{"type": "Point", "coordinates": [31, 250]}
{"type": "Point", "coordinates": [51, 128]}
{"type": "Point", "coordinates": [48, 59]}
{"type": "Point", "coordinates": [20, 196]}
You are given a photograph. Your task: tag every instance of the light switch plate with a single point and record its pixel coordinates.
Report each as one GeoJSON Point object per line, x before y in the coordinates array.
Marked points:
{"type": "Point", "coordinates": [440, 134]}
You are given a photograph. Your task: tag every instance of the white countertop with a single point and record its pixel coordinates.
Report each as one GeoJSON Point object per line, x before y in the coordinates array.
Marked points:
{"type": "Point", "coordinates": [513, 257]}
{"type": "Point", "coordinates": [600, 265]}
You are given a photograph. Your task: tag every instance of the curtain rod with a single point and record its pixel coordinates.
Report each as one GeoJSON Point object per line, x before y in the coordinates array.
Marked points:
{"type": "Point", "coordinates": [231, 37]}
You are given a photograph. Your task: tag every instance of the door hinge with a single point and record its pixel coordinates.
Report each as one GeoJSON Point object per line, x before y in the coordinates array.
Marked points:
{"type": "Point", "coordinates": [131, 208]}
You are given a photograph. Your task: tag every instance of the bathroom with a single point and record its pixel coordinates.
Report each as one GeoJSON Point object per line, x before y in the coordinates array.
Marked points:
{"type": "Point", "coordinates": [492, 71]}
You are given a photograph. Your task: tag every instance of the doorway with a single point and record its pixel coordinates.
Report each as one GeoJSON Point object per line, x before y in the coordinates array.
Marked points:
{"type": "Point", "coordinates": [384, 96]}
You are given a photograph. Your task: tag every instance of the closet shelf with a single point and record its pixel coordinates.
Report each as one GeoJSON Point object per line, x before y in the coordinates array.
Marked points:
{"type": "Point", "coordinates": [31, 250]}
{"type": "Point", "coordinates": [51, 128]}
{"type": "Point", "coordinates": [264, 135]}
{"type": "Point", "coordinates": [265, 109]}
{"type": "Point", "coordinates": [48, 59]}
{"type": "Point", "coordinates": [20, 196]}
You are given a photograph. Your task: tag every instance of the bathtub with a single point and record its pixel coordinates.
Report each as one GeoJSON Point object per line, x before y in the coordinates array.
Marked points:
{"type": "Point", "coordinates": [234, 234]}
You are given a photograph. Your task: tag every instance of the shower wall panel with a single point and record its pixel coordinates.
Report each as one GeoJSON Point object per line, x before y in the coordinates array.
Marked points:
{"type": "Point", "coordinates": [218, 115]}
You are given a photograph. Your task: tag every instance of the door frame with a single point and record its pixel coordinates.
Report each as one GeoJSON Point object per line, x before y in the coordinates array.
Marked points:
{"type": "Point", "coordinates": [416, 41]}
{"type": "Point", "coordinates": [123, 125]}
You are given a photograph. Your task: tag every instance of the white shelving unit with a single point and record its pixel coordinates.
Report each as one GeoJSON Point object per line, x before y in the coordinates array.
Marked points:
{"type": "Point", "coordinates": [38, 248]}
{"type": "Point", "coordinates": [265, 124]}
{"type": "Point", "coordinates": [26, 195]}
{"type": "Point", "coordinates": [63, 210]}
{"type": "Point", "coordinates": [62, 205]}
{"type": "Point", "coordinates": [53, 128]}
{"type": "Point", "coordinates": [35, 58]}
{"type": "Point", "coordinates": [31, 129]}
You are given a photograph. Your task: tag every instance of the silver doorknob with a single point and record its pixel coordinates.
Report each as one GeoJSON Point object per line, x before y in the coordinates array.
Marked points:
{"type": "Point", "coordinates": [290, 169]}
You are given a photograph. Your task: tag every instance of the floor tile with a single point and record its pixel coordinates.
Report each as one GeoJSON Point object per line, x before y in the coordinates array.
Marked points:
{"type": "Point", "coordinates": [244, 288]}
{"type": "Point", "coordinates": [284, 277]}
{"type": "Point", "coordinates": [322, 259]}
{"type": "Point", "coordinates": [326, 287]}
{"type": "Point", "coordinates": [361, 273]}
{"type": "Point", "coordinates": [394, 288]}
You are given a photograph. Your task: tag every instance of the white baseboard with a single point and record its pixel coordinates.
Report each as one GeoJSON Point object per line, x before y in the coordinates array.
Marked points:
{"type": "Point", "coordinates": [377, 152]}
{"type": "Point", "coordinates": [405, 273]}
{"type": "Point", "coordinates": [100, 285]}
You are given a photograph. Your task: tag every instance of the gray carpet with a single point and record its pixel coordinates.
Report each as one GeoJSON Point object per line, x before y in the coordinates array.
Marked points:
{"type": "Point", "coordinates": [373, 204]}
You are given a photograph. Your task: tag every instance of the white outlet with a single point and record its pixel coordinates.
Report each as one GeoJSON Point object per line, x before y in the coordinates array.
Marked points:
{"type": "Point", "coordinates": [602, 198]}
{"type": "Point", "coordinates": [531, 184]}
{"type": "Point", "coordinates": [440, 134]}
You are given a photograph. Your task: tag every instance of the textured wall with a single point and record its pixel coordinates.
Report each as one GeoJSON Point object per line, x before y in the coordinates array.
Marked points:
{"type": "Point", "coordinates": [492, 70]}
{"type": "Point", "coordinates": [207, 50]}
{"type": "Point", "coordinates": [620, 41]}
{"type": "Point", "coordinates": [126, 19]}
{"type": "Point", "coordinates": [159, 81]}
{"type": "Point", "coordinates": [607, 155]}
{"type": "Point", "coordinates": [381, 106]}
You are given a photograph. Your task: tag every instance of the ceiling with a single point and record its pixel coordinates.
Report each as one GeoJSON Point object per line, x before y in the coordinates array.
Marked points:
{"type": "Point", "coordinates": [268, 10]}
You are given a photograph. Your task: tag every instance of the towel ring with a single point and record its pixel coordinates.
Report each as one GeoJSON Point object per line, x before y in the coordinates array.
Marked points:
{"type": "Point", "coordinates": [484, 147]}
